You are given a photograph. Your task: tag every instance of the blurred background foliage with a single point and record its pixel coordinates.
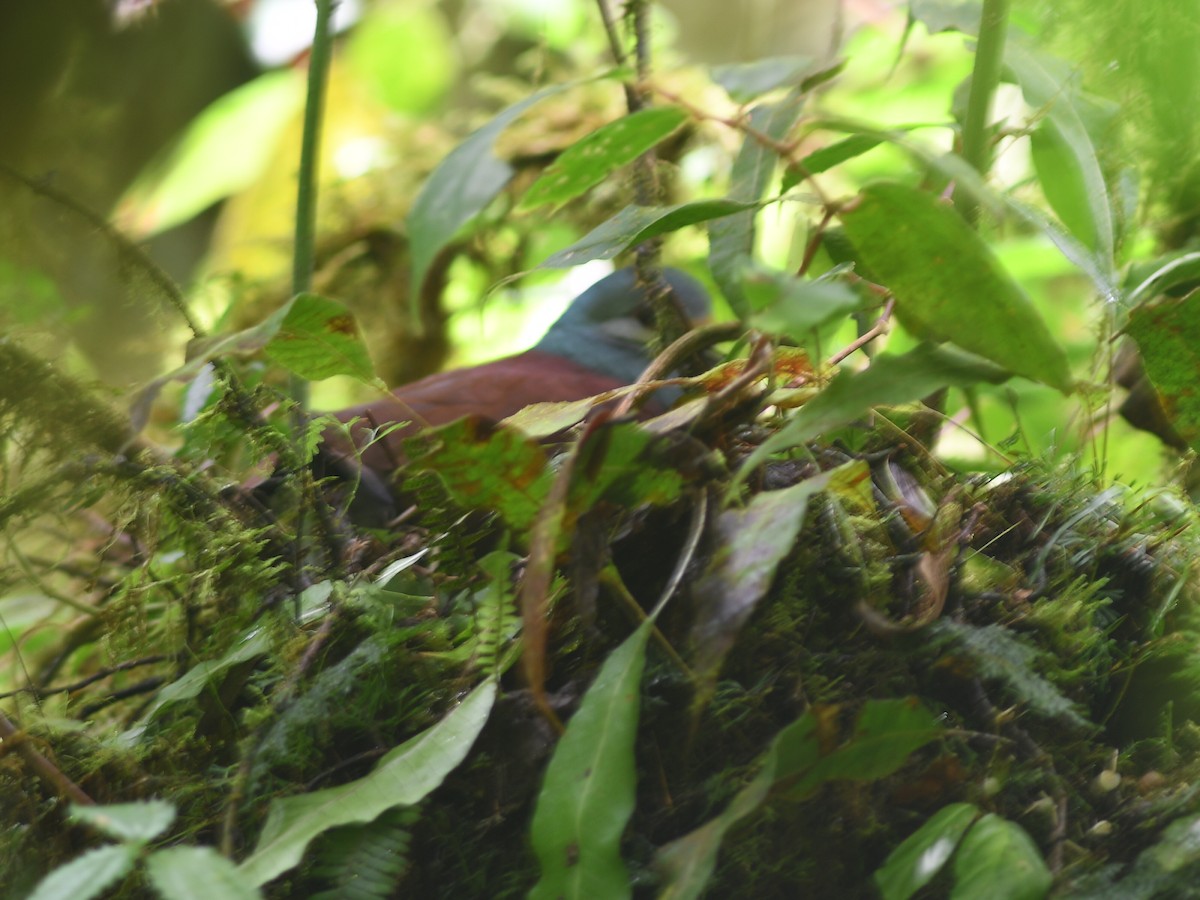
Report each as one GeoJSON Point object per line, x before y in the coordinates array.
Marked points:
{"type": "Point", "coordinates": [180, 120]}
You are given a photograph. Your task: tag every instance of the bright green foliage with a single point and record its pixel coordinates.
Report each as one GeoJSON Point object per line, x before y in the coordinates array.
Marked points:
{"type": "Point", "coordinates": [915, 863]}
{"type": "Point", "coordinates": [947, 283]}
{"type": "Point", "coordinates": [997, 860]}
{"type": "Point", "coordinates": [591, 160]}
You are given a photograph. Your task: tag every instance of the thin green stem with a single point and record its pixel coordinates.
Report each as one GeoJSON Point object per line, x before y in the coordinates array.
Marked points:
{"type": "Point", "coordinates": [989, 63]}
{"type": "Point", "coordinates": [303, 260]}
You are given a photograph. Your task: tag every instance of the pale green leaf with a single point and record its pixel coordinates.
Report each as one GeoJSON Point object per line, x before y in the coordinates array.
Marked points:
{"type": "Point", "coordinates": [588, 794]}
{"type": "Point", "coordinates": [318, 338]}
{"type": "Point", "coordinates": [87, 876]}
{"type": "Point", "coordinates": [746, 81]}
{"type": "Point", "coordinates": [141, 821]}
{"type": "Point", "coordinates": [403, 777]}
{"type": "Point", "coordinates": [197, 873]}
{"type": "Point", "coordinates": [223, 151]}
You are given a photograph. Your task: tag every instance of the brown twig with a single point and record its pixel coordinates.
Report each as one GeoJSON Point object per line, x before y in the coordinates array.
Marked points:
{"type": "Point", "coordinates": [12, 738]}
{"type": "Point", "coordinates": [867, 336]}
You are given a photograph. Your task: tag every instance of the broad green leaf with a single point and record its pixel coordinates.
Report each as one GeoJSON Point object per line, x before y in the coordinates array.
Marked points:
{"type": "Point", "coordinates": [1168, 335]}
{"type": "Point", "coordinates": [222, 151]}
{"type": "Point", "coordinates": [617, 463]}
{"type": "Point", "coordinates": [590, 160]}
{"type": "Point", "coordinates": [541, 420]}
{"type": "Point", "coordinates": [888, 381]}
{"type": "Point", "coordinates": [746, 81]}
{"type": "Point", "coordinates": [890, 729]}
{"type": "Point", "coordinates": [827, 157]}
{"type": "Point", "coordinates": [87, 876]}
{"type": "Point", "coordinates": [403, 777]}
{"type": "Point", "coordinates": [588, 794]}
{"type": "Point", "coordinates": [885, 735]}
{"type": "Point", "coordinates": [1085, 193]}
{"type": "Point", "coordinates": [462, 185]}
{"type": "Point", "coordinates": [925, 852]}
{"type": "Point", "coordinates": [485, 466]}
{"type": "Point", "coordinates": [318, 338]}
{"type": "Point", "coordinates": [998, 653]}
{"type": "Point", "coordinates": [1062, 183]}
{"type": "Point", "coordinates": [997, 860]}
{"type": "Point", "coordinates": [197, 873]}
{"type": "Point", "coordinates": [947, 283]}
{"type": "Point", "coordinates": [141, 821]}
{"type": "Point", "coordinates": [785, 304]}
{"type": "Point", "coordinates": [635, 224]}
{"type": "Point", "coordinates": [188, 686]}
{"type": "Point", "coordinates": [731, 241]}
{"type": "Point", "coordinates": [750, 544]}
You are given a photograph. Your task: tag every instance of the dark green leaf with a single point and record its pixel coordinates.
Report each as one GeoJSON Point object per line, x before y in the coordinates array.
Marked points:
{"type": "Point", "coordinates": [139, 822]}
{"type": "Point", "coordinates": [588, 794]}
{"type": "Point", "coordinates": [731, 242]}
{"type": "Point", "coordinates": [746, 81]}
{"type": "Point", "coordinates": [997, 860]}
{"type": "Point", "coordinates": [318, 338]}
{"type": "Point", "coordinates": [1168, 868]}
{"type": "Point", "coordinates": [947, 283]}
{"type": "Point", "coordinates": [1168, 336]}
{"type": "Point", "coordinates": [827, 157]}
{"type": "Point", "coordinates": [635, 224]}
{"type": "Point", "coordinates": [403, 777]}
{"type": "Point", "coordinates": [925, 852]}
{"type": "Point", "coordinates": [1181, 271]}
{"type": "Point", "coordinates": [590, 160]}
{"type": "Point", "coordinates": [197, 873]}
{"type": "Point", "coordinates": [461, 187]}
{"type": "Point", "coordinates": [87, 876]}
{"type": "Point", "coordinates": [750, 542]}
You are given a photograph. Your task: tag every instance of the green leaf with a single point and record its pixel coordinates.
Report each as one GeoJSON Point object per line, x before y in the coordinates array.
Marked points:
{"type": "Point", "coordinates": [188, 686]}
{"type": "Point", "coordinates": [618, 464]}
{"type": "Point", "coordinates": [750, 542]}
{"type": "Point", "coordinates": [1167, 868]}
{"type": "Point", "coordinates": [137, 822]}
{"type": "Point", "coordinates": [318, 338]}
{"type": "Point", "coordinates": [947, 15]}
{"type": "Point", "coordinates": [731, 241]}
{"type": "Point", "coordinates": [794, 306]}
{"type": "Point", "coordinates": [925, 852]}
{"type": "Point", "coordinates": [889, 380]}
{"type": "Point", "coordinates": [461, 187]}
{"type": "Point", "coordinates": [404, 776]}
{"type": "Point", "coordinates": [947, 283]}
{"type": "Point", "coordinates": [746, 81]}
{"type": "Point", "coordinates": [87, 876]}
{"type": "Point", "coordinates": [997, 860]}
{"type": "Point", "coordinates": [223, 151]}
{"type": "Point", "coordinates": [827, 157]}
{"type": "Point", "coordinates": [635, 224]}
{"type": "Point", "coordinates": [590, 160]}
{"type": "Point", "coordinates": [1168, 335]}
{"type": "Point", "coordinates": [588, 794]}
{"type": "Point", "coordinates": [404, 54]}
{"type": "Point", "coordinates": [1181, 269]}
{"type": "Point", "coordinates": [1080, 189]}
{"type": "Point", "coordinates": [197, 873]}
{"type": "Point", "coordinates": [889, 731]}
{"type": "Point", "coordinates": [886, 734]}
{"type": "Point", "coordinates": [998, 653]}
{"type": "Point", "coordinates": [485, 466]}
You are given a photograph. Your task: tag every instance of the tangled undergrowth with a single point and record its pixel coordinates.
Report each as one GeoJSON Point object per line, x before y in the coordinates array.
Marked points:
{"type": "Point", "coordinates": [855, 654]}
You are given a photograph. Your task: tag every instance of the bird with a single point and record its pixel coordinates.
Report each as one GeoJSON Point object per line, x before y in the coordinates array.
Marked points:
{"type": "Point", "coordinates": [600, 343]}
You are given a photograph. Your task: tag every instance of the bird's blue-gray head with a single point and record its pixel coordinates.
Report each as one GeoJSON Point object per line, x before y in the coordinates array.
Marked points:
{"type": "Point", "coordinates": [606, 328]}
